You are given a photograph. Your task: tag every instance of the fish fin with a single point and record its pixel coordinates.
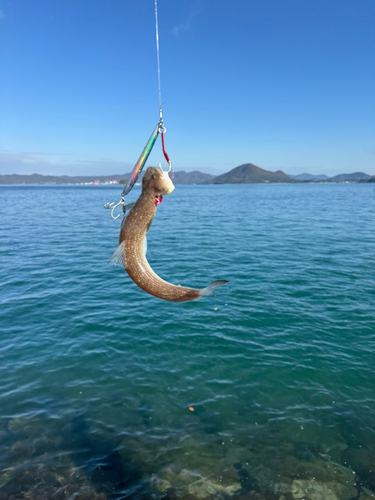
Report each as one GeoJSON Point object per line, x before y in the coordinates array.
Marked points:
{"type": "Point", "coordinates": [210, 289]}
{"type": "Point", "coordinates": [129, 207]}
{"type": "Point", "coordinates": [145, 245]}
{"type": "Point", "coordinates": [118, 257]}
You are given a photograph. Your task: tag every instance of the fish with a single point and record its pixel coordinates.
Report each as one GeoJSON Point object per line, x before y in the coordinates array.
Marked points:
{"type": "Point", "coordinates": [131, 252]}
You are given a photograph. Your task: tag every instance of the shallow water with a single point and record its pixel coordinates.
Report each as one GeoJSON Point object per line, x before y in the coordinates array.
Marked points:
{"type": "Point", "coordinates": [96, 377]}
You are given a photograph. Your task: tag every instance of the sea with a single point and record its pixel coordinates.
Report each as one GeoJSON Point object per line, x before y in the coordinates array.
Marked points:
{"type": "Point", "coordinates": [265, 391]}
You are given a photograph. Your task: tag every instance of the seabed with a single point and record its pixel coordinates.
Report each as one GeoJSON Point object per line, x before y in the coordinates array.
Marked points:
{"type": "Point", "coordinates": [47, 460]}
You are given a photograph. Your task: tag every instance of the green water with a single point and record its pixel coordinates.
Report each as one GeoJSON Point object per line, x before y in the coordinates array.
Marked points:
{"type": "Point", "coordinates": [97, 377]}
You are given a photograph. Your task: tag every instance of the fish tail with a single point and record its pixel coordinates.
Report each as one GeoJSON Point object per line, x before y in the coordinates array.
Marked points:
{"type": "Point", "coordinates": [210, 289]}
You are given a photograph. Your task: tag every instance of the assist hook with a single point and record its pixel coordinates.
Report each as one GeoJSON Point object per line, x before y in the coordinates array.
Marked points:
{"type": "Point", "coordinates": [162, 130]}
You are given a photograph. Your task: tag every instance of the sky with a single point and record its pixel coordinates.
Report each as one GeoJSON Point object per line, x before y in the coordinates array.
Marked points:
{"type": "Point", "coordinates": [282, 84]}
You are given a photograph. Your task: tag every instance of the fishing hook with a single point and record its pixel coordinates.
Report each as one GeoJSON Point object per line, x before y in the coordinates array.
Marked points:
{"type": "Point", "coordinates": [112, 206]}
{"type": "Point", "coordinates": [169, 169]}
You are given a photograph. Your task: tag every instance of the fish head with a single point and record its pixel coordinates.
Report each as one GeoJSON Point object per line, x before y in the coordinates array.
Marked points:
{"type": "Point", "coordinates": [158, 181]}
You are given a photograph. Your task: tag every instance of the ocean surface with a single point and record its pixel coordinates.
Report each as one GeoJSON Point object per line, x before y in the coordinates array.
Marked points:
{"type": "Point", "coordinates": [266, 391]}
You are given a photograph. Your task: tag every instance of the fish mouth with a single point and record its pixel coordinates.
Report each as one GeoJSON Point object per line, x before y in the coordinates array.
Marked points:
{"type": "Point", "coordinates": [165, 184]}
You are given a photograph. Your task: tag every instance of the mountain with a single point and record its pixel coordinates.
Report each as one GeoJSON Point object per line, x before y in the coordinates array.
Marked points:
{"type": "Point", "coordinates": [251, 174]}
{"type": "Point", "coordinates": [309, 177]}
{"type": "Point", "coordinates": [195, 177]}
{"type": "Point", "coordinates": [357, 176]}
{"type": "Point", "coordinates": [244, 174]}
{"type": "Point", "coordinates": [180, 177]}
{"type": "Point", "coordinates": [55, 179]}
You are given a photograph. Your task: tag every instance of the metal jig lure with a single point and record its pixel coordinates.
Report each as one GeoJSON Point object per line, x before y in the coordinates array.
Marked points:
{"type": "Point", "coordinates": [159, 129]}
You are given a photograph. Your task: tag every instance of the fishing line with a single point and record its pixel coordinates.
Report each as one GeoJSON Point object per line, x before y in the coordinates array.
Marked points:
{"type": "Point", "coordinates": [162, 128]}
{"type": "Point", "coordinates": [157, 52]}
{"type": "Point", "coordinates": [159, 129]}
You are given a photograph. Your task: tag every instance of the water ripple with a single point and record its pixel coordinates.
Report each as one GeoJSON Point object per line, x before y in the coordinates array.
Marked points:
{"type": "Point", "coordinates": [97, 377]}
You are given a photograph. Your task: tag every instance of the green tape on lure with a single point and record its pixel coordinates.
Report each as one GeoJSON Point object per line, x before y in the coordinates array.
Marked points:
{"type": "Point", "coordinates": [143, 158]}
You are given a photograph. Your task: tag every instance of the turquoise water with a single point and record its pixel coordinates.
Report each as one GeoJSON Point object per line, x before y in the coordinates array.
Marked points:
{"type": "Point", "coordinates": [96, 377]}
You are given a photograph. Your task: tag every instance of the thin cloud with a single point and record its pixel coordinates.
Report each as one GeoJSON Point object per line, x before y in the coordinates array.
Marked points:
{"type": "Point", "coordinates": [184, 27]}
{"type": "Point", "coordinates": [177, 30]}
{"type": "Point", "coordinates": [26, 156]}
{"type": "Point", "coordinates": [26, 162]}
{"type": "Point", "coordinates": [2, 14]}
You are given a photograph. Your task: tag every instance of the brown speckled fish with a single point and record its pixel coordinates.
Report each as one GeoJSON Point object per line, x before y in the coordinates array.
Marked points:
{"type": "Point", "coordinates": [131, 249]}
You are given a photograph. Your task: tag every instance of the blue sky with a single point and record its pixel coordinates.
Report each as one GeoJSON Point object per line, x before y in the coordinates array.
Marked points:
{"type": "Point", "coordinates": [283, 84]}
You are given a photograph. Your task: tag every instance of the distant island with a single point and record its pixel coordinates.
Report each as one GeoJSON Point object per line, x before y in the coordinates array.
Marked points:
{"type": "Point", "coordinates": [310, 177]}
{"type": "Point", "coordinates": [355, 177]}
{"type": "Point", "coordinates": [251, 174]}
{"type": "Point", "coordinates": [243, 174]}
{"type": "Point", "coordinates": [180, 177]}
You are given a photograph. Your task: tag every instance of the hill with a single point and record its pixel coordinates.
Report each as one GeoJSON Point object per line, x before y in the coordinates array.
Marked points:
{"type": "Point", "coordinates": [195, 177]}
{"type": "Point", "coordinates": [309, 177]}
{"type": "Point", "coordinates": [180, 177]}
{"type": "Point", "coordinates": [251, 174]}
{"type": "Point", "coordinates": [56, 179]}
{"type": "Point", "coordinates": [244, 174]}
{"type": "Point", "coordinates": [357, 176]}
